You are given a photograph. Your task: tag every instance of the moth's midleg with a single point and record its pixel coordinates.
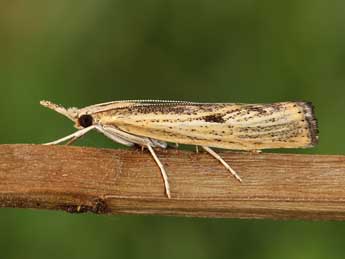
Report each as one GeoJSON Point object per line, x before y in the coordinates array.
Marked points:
{"type": "Point", "coordinates": [116, 134]}
{"type": "Point", "coordinates": [161, 167]}
{"type": "Point", "coordinates": [220, 159]}
{"type": "Point", "coordinates": [74, 136]}
{"type": "Point", "coordinates": [159, 143]}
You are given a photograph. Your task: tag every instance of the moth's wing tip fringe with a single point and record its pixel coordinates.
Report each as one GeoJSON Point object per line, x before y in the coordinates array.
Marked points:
{"type": "Point", "coordinates": [309, 111]}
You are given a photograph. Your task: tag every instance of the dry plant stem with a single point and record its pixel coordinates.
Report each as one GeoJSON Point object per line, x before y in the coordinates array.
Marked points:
{"type": "Point", "coordinates": [109, 181]}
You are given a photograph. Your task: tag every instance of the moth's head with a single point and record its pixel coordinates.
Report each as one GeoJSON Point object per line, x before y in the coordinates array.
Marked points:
{"type": "Point", "coordinates": [80, 120]}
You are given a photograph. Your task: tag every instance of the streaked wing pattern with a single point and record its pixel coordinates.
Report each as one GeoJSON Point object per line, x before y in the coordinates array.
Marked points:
{"type": "Point", "coordinates": [222, 125]}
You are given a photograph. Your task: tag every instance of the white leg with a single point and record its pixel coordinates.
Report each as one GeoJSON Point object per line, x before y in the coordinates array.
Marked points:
{"type": "Point", "coordinates": [197, 149]}
{"type": "Point", "coordinates": [125, 139]}
{"type": "Point", "coordinates": [126, 136]}
{"type": "Point", "coordinates": [114, 137]}
{"type": "Point", "coordinates": [159, 143]}
{"type": "Point", "coordinates": [71, 141]}
{"type": "Point", "coordinates": [161, 167]}
{"type": "Point", "coordinates": [218, 157]}
{"type": "Point", "coordinates": [74, 136]}
{"type": "Point", "coordinates": [131, 138]}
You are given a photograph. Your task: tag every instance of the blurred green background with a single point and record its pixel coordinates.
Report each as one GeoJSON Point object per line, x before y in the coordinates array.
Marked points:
{"type": "Point", "coordinates": [84, 52]}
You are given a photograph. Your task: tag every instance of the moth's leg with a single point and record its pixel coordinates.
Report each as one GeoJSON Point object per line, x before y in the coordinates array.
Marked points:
{"type": "Point", "coordinates": [159, 143]}
{"type": "Point", "coordinates": [131, 138]}
{"type": "Point", "coordinates": [161, 167]}
{"type": "Point", "coordinates": [127, 136]}
{"type": "Point", "coordinates": [73, 136]}
{"type": "Point", "coordinates": [71, 141]}
{"type": "Point", "coordinates": [220, 159]}
{"type": "Point", "coordinates": [255, 151]}
{"type": "Point", "coordinates": [197, 149]}
{"type": "Point", "coordinates": [144, 142]}
{"type": "Point", "coordinates": [114, 137]}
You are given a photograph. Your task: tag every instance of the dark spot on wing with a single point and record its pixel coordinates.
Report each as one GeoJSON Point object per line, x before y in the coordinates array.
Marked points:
{"type": "Point", "coordinates": [217, 118]}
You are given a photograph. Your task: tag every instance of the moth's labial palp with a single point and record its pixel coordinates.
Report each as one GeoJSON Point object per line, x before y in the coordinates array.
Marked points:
{"type": "Point", "coordinates": [85, 120]}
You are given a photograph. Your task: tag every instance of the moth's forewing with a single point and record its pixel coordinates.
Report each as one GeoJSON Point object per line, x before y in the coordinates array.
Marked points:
{"type": "Point", "coordinates": [229, 126]}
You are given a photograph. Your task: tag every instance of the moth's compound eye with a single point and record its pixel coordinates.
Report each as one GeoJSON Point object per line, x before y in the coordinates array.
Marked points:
{"type": "Point", "coordinates": [85, 120]}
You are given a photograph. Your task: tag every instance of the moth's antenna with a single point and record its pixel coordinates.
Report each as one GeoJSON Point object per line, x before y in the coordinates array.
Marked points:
{"type": "Point", "coordinates": [71, 113]}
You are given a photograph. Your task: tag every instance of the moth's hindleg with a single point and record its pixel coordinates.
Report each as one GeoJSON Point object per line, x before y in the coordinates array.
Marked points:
{"type": "Point", "coordinates": [163, 172]}
{"type": "Point", "coordinates": [197, 149]}
{"type": "Point", "coordinates": [220, 159]}
{"type": "Point", "coordinates": [72, 137]}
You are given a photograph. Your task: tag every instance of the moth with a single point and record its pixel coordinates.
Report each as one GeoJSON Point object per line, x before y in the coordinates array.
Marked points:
{"type": "Point", "coordinates": [155, 123]}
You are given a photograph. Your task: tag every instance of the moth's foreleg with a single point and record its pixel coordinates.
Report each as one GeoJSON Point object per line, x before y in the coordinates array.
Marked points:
{"type": "Point", "coordinates": [71, 141]}
{"type": "Point", "coordinates": [114, 136]}
{"type": "Point", "coordinates": [73, 136]}
{"type": "Point", "coordinates": [130, 138]}
{"type": "Point", "coordinates": [163, 172]}
{"type": "Point", "coordinates": [220, 159]}
{"type": "Point", "coordinates": [124, 136]}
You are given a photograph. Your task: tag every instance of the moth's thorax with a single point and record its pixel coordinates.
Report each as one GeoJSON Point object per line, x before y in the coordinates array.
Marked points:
{"type": "Point", "coordinates": [105, 119]}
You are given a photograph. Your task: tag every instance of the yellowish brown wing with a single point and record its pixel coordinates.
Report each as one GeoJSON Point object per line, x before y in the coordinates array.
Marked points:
{"type": "Point", "coordinates": [229, 126]}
